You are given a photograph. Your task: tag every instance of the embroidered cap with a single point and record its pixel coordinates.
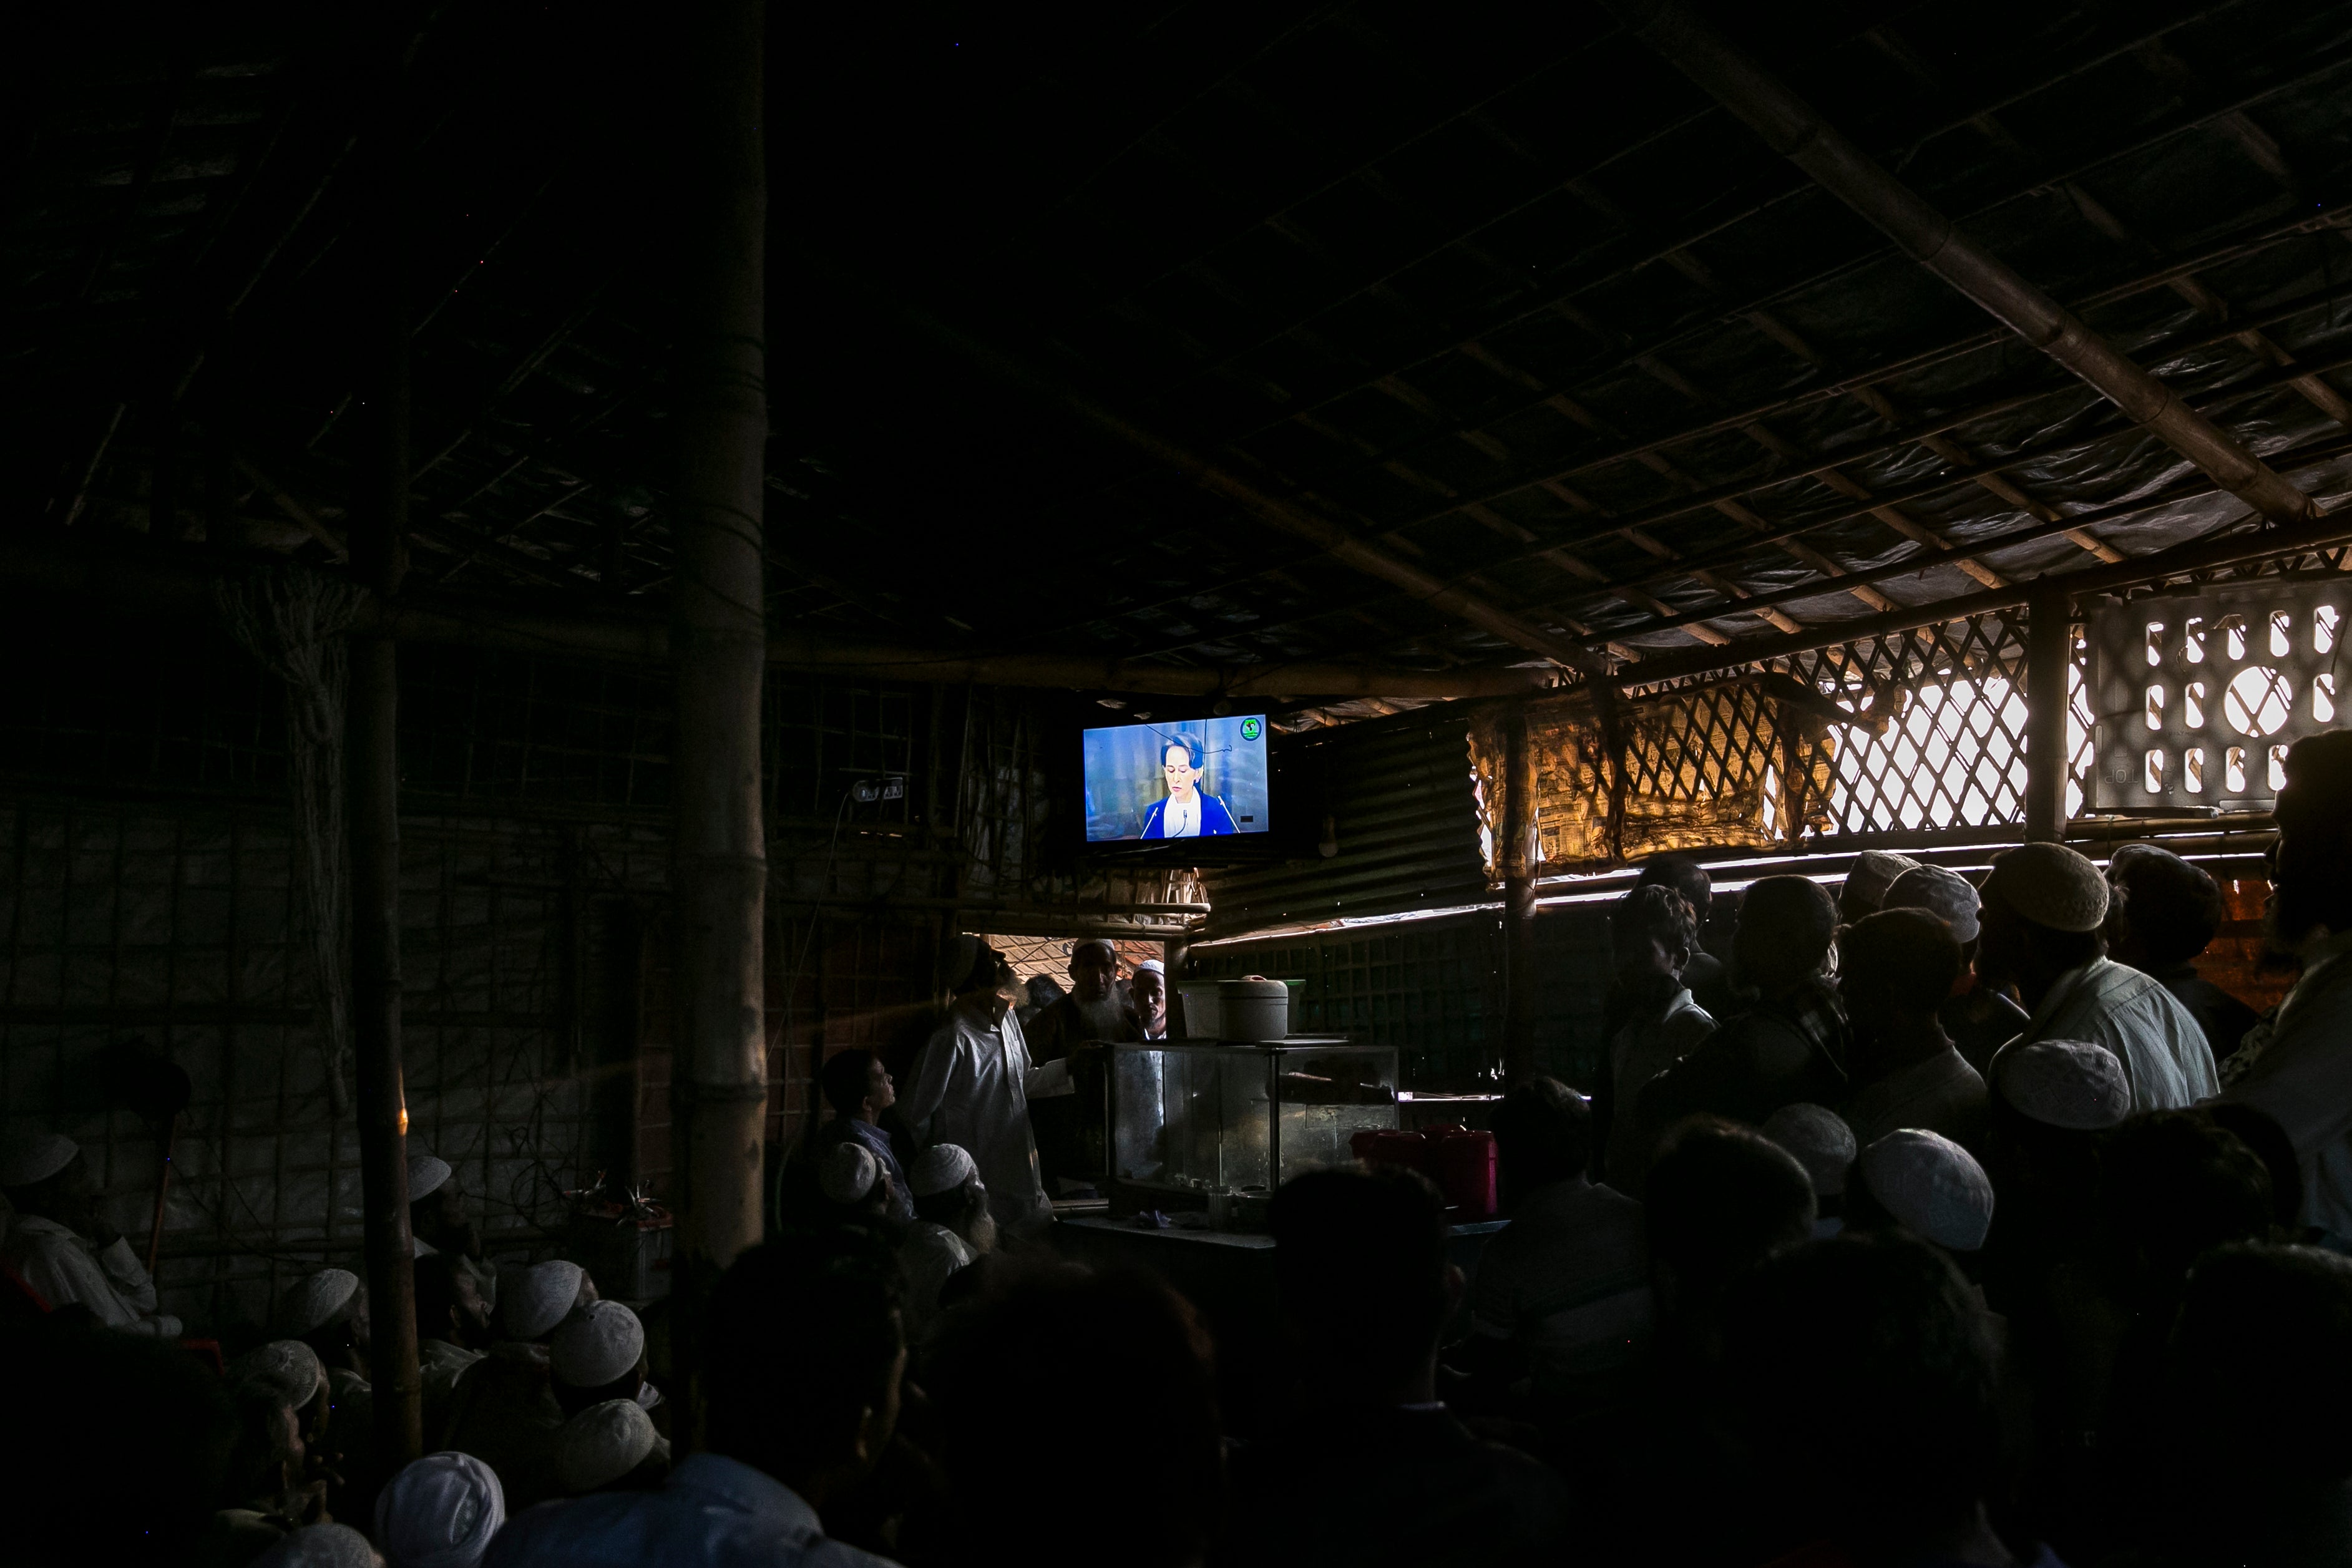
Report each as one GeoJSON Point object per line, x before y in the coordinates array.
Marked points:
{"type": "Point", "coordinates": [1932, 1185]}
{"type": "Point", "coordinates": [1819, 1139]}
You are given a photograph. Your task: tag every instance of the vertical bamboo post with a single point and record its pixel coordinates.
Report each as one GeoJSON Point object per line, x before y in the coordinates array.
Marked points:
{"type": "Point", "coordinates": [1518, 856]}
{"type": "Point", "coordinates": [719, 869]}
{"type": "Point", "coordinates": [2049, 654]}
{"type": "Point", "coordinates": [379, 559]}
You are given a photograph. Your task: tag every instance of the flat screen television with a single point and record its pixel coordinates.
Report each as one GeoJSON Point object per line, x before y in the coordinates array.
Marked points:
{"type": "Point", "coordinates": [1197, 778]}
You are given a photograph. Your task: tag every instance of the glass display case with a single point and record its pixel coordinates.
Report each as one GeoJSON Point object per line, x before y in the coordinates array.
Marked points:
{"type": "Point", "coordinates": [1200, 1116]}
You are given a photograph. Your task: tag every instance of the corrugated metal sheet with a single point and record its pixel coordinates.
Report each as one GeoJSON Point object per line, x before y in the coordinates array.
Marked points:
{"type": "Point", "coordinates": [1399, 793]}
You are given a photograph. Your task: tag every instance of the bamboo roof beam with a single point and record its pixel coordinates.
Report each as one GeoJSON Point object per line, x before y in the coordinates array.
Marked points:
{"type": "Point", "coordinates": [2161, 61]}
{"type": "Point", "coordinates": [179, 582]}
{"type": "Point", "coordinates": [1562, 303]}
{"type": "Point", "coordinates": [1577, 414]}
{"type": "Point", "coordinates": [1288, 515]}
{"type": "Point", "coordinates": [1667, 249]}
{"type": "Point", "coordinates": [1984, 475]}
{"type": "Point", "coordinates": [2310, 456]}
{"type": "Point", "coordinates": [1871, 375]}
{"type": "Point", "coordinates": [1793, 128]}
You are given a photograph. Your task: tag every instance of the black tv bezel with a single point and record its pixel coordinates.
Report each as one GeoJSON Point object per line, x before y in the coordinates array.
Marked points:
{"type": "Point", "coordinates": [1279, 842]}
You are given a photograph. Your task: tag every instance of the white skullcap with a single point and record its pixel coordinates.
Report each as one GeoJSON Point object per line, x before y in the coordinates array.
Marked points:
{"type": "Point", "coordinates": [1932, 1188]}
{"type": "Point", "coordinates": [848, 1172]}
{"type": "Point", "coordinates": [941, 1168]}
{"type": "Point", "coordinates": [2051, 885]}
{"type": "Point", "coordinates": [35, 1154]}
{"type": "Point", "coordinates": [286, 1367]}
{"type": "Point", "coordinates": [426, 1172]}
{"type": "Point", "coordinates": [2072, 1083]}
{"type": "Point", "coordinates": [602, 1344]}
{"type": "Point", "coordinates": [439, 1512]}
{"type": "Point", "coordinates": [541, 1296]}
{"type": "Point", "coordinates": [1109, 949]}
{"type": "Point", "coordinates": [1153, 965]}
{"type": "Point", "coordinates": [321, 1546]}
{"type": "Point", "coordinates": [1819, 1139]}
{"type": "Point", "coordinates": [315, 1300]}
{"type": "Point", "coordinates": [602, 1444]}
{"type": "Point", "coordinates": [1874, 873]}
{"type": "Point", "coordinates": [1944, 893]}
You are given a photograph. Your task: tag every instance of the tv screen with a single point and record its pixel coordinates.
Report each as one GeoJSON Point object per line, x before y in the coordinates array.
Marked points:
{"type": "Point", "coordinates": [1194, 779]}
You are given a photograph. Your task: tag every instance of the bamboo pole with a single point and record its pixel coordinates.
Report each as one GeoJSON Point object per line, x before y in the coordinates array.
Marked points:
{"type": "Point", "coordinates": [2049, 654]}
{"type": "Point", "coordinates": [152, 579]}
{"type": "Point", "coordinates": [379, 560]}
{"type": "Point", "coordinates": [1520, 859]}
{"type": "Point", "coordinates": [718, 636]}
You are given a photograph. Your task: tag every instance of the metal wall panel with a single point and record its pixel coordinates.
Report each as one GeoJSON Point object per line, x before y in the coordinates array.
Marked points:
{"type": "Point", "coordinates": [1400, 795]}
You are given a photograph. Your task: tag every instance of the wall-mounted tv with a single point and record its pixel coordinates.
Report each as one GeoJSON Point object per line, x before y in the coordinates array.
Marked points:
{"type": "Point", "coordinates": [1197, 778]}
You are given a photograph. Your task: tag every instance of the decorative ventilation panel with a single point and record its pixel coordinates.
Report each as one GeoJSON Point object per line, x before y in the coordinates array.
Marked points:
{"type": "Point", "coordinates": [2198, 699]}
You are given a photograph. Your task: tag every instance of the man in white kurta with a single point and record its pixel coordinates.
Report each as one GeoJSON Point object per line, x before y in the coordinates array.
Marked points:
{"type": "Point", "coordinates": [973, 1086]}
{"type": "Point", "coordinates": [60, 1247]}
{"type": "Point", "coordinates": [2160, 1043]}
{"type": "Point", "coordinates": [2044, 908]}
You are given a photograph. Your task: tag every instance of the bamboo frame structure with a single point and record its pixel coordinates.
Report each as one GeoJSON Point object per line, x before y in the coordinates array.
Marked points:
{"type": "Point", "coordinates": [1796, 130]}
{"type": "Point", "coordinates": [378, 549]}
{"type": "Point", "coordinates": [717, 632]}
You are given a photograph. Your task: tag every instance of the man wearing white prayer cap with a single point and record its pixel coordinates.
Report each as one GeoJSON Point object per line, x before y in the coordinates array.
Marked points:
{"type": "Point", "coordinates": [953, 1228]}
{"type": "Point", "coordinates": [1979, 1019]}
{"type": "Point", "coordinates": [2075, 1084]}
{"type": "Point", "coordinates": [439, 1512]}
{"type": "Point", "coordinates": [2043, 908]}
{"type": "Point", "coordinates": [318, 1298]}
{"type": "Point", "coordinates": [1896, 967]}
{"type": "Point", "coordinates": [851, 1178]}
{"type": "Point", "coordinates": [1824, 1146]}
{"type": "Point", "coordinates": [806, 1357]}
{"type": "Point", "coordinates": [505, 1411]}
{"type": "Point", "coordinates": [59, 1242]}
{"type": "Point", "coordinates": [599, 1355]}
{"type": "Point", "coordinates": [1091, 1010]}
{"type": "Point", "coordinates": [289, 1369]}
{"type": "Point", "coordinates": [610, 1444]}
{"type": "Point", "coordinates": [328, 1310]}
{"type": "Point", "coordinates": [438, 1222]}
{"type": "Point", "coordinates": [1864, 893]}
{"type": "Point", "coordinates": [1146, 991]}
{"type": "Point", "coordinates": [452, 1333]}
{"type": "Point", "coordinates": [545, 1295]}
{"type": "Point", "coordinates": [321, 1546]}
{"type": "Point", "coordinates": [1929, 1185]}
{"type": "Point", "coordinates": [1786, 1046]}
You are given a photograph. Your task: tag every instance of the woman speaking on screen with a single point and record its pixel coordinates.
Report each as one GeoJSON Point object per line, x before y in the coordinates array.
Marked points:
{"type": "Point", "coordinates": [1188, 812]}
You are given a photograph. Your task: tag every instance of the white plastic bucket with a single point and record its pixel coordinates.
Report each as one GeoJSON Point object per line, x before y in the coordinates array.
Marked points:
{"type": "Point", "coordinates": [1203, 1017]}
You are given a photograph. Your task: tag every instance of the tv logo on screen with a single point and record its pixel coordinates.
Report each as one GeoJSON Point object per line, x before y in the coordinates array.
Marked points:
{"type": "Point", "coordinates": [1251, 729]}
